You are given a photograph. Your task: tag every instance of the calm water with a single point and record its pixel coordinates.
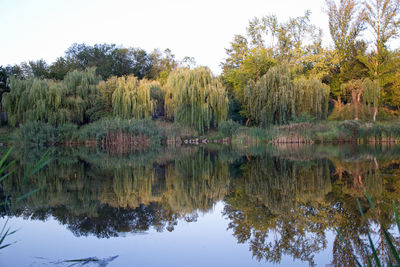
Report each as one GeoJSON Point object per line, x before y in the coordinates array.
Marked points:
{"type": "Point", "coordinates": [199, 206]}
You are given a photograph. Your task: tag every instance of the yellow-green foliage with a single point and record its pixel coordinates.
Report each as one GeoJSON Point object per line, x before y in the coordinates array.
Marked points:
{"type": "Point", "coordinates": [131, 98]}
{"type": "Point", "coordinates": [270, 100]}
{"type": "Point", "coordinates": [81, 94]}
{"type": "Point", "coordinates": [363, 96]}
{"type": "Point", "coordinates": [35, 100]}
{"type": "Point", "coordinates": [106, 89]}
{"type": "Point", "coordinates": [49, 101]}
{"type": "Point", "coordinates": [195, 98]}
{"type": "Point", "coordinates": [276, 99]}
{"type": "Point", "coordinates": [311, 97]}
{"type": "Point", "coordinates": [371, 93]}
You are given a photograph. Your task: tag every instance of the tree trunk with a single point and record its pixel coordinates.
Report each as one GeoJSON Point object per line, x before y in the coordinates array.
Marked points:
{"type": "Point", "coordinates": [355, 102]}
{"type": "Point", "coordinates": [375, 113]}
{"type": "Point", "coordinates": [247, 122]}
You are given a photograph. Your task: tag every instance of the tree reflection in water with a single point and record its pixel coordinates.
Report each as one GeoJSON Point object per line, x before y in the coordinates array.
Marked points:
{"type": "Point", "coordinates": [281, 201]}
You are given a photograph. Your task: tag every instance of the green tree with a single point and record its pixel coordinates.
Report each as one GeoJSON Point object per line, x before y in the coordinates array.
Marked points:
{"type": "Point", "coordinates": [195, 98]}
{"type": "Point", "coordinates": [276, 98]}
{"type": "Point", "coordinates": [270, 99]}
{"type": "Point", "coordinates": [311, 97]}
{"type": "Point", "coordinates": [4, 87]}
{"type": "Point", "coordinates": [383, 17]}
{"type": "Point", "coordinates": [268, 41]}
{"type": "Point", "coordinates": [131, 98]}
{"type": "Point", "coordinates": [345, 26]}
{"type": "Point", "coordinates": [363, 93]}
{"type": "Point", "coordinates": [72, 100]}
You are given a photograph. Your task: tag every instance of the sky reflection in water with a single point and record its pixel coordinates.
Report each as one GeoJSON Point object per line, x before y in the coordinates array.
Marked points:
{"type": "Point", "coordinates": [214, 206]}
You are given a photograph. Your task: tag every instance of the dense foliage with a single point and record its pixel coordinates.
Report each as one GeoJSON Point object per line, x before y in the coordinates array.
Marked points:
{"type": "Point", "coordinates": [277, 73]}
{"type": "Point", "coordinates": [297, 43]}
{"type": "Point", "coordinates": [276, 99]}
{"type": "Point", "coordinates": [131, 98]}
{"type": "Point", "coordinates": [34, 99]}
{"type": "Point", "coordinates": [195, 98]}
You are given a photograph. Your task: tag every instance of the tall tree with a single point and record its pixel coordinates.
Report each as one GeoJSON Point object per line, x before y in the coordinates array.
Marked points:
{"type": "Point", "coordinates": [383, 17]}
{"type": "Point", "coordinates": [39, 68]}
{"type": "Point", "coordinates": [345, 25]}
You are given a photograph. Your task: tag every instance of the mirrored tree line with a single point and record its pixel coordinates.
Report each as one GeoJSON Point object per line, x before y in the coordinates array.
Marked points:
{"type": "Point", "coordinates": [276, 202]}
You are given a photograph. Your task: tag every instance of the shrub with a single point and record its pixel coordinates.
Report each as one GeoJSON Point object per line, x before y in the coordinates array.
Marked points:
{"type": "Point", "coordinates": [99, 130]}
{"type": "Point", "coordinates": [36, 134]}
{"type": "Point", "coordinates": [228, 128]}
{"type": "Point", "coordinates": [67, 132]}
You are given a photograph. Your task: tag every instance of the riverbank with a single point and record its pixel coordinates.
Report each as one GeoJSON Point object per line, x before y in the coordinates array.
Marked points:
{"type": "Point", "coordinates": [142, 134]}
{"type": "Point", "coordinates": [325, 132]}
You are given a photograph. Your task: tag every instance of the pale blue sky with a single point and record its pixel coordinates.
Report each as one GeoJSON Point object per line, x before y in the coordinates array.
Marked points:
{"type": "Point", "coordinates": [201, 29]}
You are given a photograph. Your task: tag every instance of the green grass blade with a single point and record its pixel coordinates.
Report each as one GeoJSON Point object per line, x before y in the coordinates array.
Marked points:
{"type": "Point", "coordinates": [4, 227]}
{"type": "Point", "coordinates": [370, 202]}
{"type": "Point", "coordinates": [3, 159]}
{"type": "Point", "coordinates": [27, 194]}
{"type": "Point", "coordinates": [348, 246]}
{"type": "Point", "coordinates": [368, 259]}
{"type": "Point", "coordinates": [396, 214]}
{"type": "Point", "coordinates": [4, 177]}
{"type": "Point", "coordinates": [390, 262]}
{"type": "Point", "coordinates": [4, 168]}
{"type": "Point", "coordinates": [45, 159]}
{"type": "Point", "coordinates": [376, 258]}
{"type": "Point", "coordinates": [392, 247]}
{"type": "Point", "coordinates": [361, 211]}
{"type": "Point", "coordinates": [1, 247]}
{"type": "Point", "coordinates": [4, 236]}
{"type": "Point", "coordinates": [374, 252]}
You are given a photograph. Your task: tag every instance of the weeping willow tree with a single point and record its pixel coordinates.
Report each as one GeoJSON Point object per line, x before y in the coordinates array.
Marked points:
{"type": "Point", "coordinates": [106, 89]}
{"type": "Point", "coordinates": [33, 99]}
{"type": "Point", "coordinates": [311, 97]}
{"type": "Point", "coordinates": [276, 99]}
{"type": "Point", "coordinates": [270, 100]}
{"type": "Point", "coordinates": [365, 95]}
{"type": "Point", "coordinates": [371, 95]}
{"type": "Point", "coordinates": [195, 98]}
{"type": "Point", "coordinates": [82, 96]}
{"type": "Point", "coordinates": [16, 101]}
{"type": "Point", "coordinates": [131, 98]}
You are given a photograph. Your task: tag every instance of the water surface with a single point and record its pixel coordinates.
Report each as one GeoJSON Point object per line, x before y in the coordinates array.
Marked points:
{"type": "Point", "coordinates": [199, 206]}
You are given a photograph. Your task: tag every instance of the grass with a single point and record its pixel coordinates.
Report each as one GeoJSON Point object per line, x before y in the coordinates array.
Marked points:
{"type": "Point", "coordinates": [4, 173]}
{"type": "Point", "coordinates": [393, 256]}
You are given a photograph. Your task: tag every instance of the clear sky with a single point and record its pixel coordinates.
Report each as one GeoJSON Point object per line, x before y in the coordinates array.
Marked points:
{"type": "Point", "coordinates": [201, 29]}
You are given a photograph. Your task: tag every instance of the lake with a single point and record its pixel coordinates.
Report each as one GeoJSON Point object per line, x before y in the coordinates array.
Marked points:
{"type": "Point", "coordinates": [212, 205]}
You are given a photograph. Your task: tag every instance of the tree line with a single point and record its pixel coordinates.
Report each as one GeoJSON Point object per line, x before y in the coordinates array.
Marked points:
{"type": "Point", "coordinates": [91, 82]}
{"type": "Point", "coordinates": [276, 73]}
{"type": "Point", "coordinates": [361, 70]}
